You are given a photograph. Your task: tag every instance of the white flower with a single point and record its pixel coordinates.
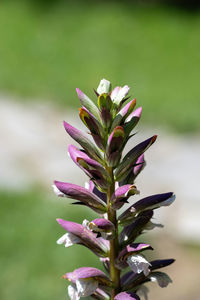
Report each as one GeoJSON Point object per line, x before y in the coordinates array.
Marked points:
{"type": "Point", "coordinates": [104, 86]}
{"type": "Point", "coordinates": [138, 264]}
{"type": "Point", "coordinates": [161, 278]}
{"type": "Point", "coordinates": [57, 191]}
{"type": "Point", "coordinates": [85, 224]}
{"type": "Point", "coordinates": [86, 287]}
{"type": "Point", "coordinates": [73, 293]}
{"type": "Point", "coordinates": [68, 239]}
{"type": "Point", "coordinates": [119, 93]}
{"type": "Point", "coordinates": [82, 288]}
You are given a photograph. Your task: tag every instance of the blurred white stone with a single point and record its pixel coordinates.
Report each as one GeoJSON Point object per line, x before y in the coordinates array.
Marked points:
{"type": "Point", "coordinates": [34, 151]}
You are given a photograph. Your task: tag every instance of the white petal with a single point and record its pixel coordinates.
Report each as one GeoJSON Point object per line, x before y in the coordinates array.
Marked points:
{"type": "Point", "coordinates": [104, 87]}
{"type": "Point", "coordinates": [68, 239]}
{"type": "Point", "coordinates": [161, 278]}
{"type": "Point", "coordinates": [119, 93]}
{"type": "Point", "coordinates": [86, 287]}
{"type": "Point", "coordinates": [87, 186]}
{"type": "Point", "coordinates": [85, 223]}
{"type": "Point", "coordinates": [57, 191]}
{"type": "Point", "coordinates": [73, 293]}
{"type": "Point", "coordinates": [138, 264]}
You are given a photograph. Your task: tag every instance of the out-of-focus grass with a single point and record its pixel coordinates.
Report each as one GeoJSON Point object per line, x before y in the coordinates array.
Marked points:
{"type": "Point", "coordinates": [46, 53]}
{"type": "Point", "coordinates": [31, 262]}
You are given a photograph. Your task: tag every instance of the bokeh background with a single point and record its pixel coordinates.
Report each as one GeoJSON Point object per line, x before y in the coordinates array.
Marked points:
{"type": "Point", "coordinates": [47, 49]}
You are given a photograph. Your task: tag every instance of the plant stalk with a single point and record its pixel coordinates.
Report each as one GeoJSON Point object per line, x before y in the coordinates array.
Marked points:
{"type": "Point", "coordinates": [114, 245]}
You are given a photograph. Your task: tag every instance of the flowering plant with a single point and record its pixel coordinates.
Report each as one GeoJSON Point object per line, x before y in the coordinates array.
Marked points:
{"type": "Point", "coordinates": [111, 237]}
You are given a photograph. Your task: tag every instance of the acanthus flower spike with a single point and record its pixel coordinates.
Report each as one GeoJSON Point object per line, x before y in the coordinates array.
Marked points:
{"type": "Point", "coordinates": [110, 121]}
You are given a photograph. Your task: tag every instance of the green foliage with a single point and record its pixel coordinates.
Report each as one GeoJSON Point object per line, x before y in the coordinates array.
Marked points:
{"type": "Point", "coordinates": [46, 53]}
{"type": "Point", "coordinates": [30, 259]}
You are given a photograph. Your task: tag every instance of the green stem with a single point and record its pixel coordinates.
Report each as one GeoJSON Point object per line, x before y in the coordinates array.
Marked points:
{"type": "Point", "coordinates": [114, 272]}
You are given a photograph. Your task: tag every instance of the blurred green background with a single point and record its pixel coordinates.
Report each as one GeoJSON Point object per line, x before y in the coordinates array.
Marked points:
{"type": "Point", "coordinates": [47, 49]}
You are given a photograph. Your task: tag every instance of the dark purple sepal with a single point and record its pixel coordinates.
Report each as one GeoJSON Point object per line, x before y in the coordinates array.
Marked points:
{"type": "Point", "coordinates": [131, 157]}
{"type": "Point", "coordinates": [132, 120]}
{"type": "Point", "coordinates": [127, 296]}
{"type": "Point", "coordinates": [96, 191]}
{"type": "Point", "coordinates": [88, 239]}
{"type": "Point", "coordinates": [87, 273]}
{"type": "Point", "coordinates": [123, 114]}
{"type": "Point", "coordinates": [121, 195]}
{"type": "Point", "coordinates": [150, 202]}
{"type": "Point", "coordinates": [114, 146]}
{"type": "Point", "coordinates": [80, 193]}
{"type": "Point", "coordinates": [132, 231]}
{"type": "Point", "coordinates": [94, 126]}
{"type": "Point", "coordinates": [161, 263]}
{"type": "Point", "coordinates": [135, 171]}
{"type": "Point", "coordinates": [131, 280]}
{"type": "Point", "coordinates": [83, 140]}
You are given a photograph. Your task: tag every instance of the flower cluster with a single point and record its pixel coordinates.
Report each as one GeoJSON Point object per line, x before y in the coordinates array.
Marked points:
{"type": "Point", "coordinates": [111, 236]}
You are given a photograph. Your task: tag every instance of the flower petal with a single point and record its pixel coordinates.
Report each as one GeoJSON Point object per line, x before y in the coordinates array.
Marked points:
{"type": "Point", "coordinates": [73, 293]}
{"type": "Point", "coordinates": [68, 239]}
{"type": "Point", "coordinates": [86, 287]}
{"type": "Point", "coordinates": [139, 264]}
{"type": "Point", "coordinates": [104, 86]}
{"type": "Point", "coordinates": [119, 93]}
{"type": "Point", "coordinates": [127, 296]}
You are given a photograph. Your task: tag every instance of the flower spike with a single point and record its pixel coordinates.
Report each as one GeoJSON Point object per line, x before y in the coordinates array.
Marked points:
{"type": "Point", "coordinates": [110, 121]}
